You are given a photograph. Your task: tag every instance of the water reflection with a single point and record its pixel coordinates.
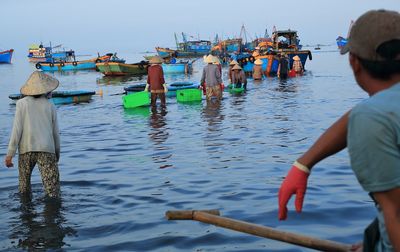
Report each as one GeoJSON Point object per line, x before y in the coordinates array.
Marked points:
{"type": "Point", "coordinates": [40, 231]}
{"type": "Point", "coordinates": [212, 114]}
{"type": "Point", "coordinates": [158, 135]}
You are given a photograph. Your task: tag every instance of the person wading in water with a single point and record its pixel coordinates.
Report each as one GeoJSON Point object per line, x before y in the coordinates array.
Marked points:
{"type": "Point", "coordinates": [36, 135]}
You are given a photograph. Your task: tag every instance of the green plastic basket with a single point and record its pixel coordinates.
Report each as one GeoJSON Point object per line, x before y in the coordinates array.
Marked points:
{"type": "Point", "coordinates": [188, 95]}
{"type": "Point", "coordinates": [136, 99]}
{"type": "Point", "coordinates": [236, 90]}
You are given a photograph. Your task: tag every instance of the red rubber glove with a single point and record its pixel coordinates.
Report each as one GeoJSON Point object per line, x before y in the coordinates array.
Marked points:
{"type": "Point", "coordinates": [294, 183]}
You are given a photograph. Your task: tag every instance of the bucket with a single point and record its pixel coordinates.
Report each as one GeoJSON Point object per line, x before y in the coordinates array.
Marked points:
{"type": "Point", "coordinates": [188, 95]}
{"type": "Point", "coordinates": [136, 99]}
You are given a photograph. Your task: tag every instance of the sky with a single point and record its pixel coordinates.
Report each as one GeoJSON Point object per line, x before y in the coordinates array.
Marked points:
{"type": "Point", "coordinates": [131, 26]}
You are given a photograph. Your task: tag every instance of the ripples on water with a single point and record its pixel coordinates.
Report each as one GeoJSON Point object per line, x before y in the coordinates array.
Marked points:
{"type": "Point", "coordinates": [121, 170]}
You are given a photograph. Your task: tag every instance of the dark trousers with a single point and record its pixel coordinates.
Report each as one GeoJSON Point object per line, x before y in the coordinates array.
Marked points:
{"type": "Point", "coordinates": [154, 99]}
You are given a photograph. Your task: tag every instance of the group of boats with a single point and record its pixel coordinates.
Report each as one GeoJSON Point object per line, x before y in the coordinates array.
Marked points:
{"type": "Point", "coordinates": [178, 60]}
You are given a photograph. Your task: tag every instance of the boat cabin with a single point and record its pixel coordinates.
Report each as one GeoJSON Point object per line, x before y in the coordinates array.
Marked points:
{"type": "Point", "coordinates": [286, 39]}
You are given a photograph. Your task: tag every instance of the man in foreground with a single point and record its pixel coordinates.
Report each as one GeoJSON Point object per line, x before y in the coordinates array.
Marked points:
{"type": "Point", "coordinates": [371, 130]}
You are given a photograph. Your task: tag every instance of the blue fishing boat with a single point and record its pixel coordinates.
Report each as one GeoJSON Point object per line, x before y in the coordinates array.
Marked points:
{"type": "Point", "coordinates": [63, 97]}
{"type": "Point", "coordinates": [177, 68]}
{"type": "Point", "coordinates": [42, 53]}
{"type": "Point", "coordinates": [341, 42]}
{"type": "Point", "coordinates": [74, 65]}
{"type": "Point", "coordinates": [5, 56]}
{"type": "Point", "coordinates": [186, 49]}
{"type": "Point", "coordinates": [285, 41]}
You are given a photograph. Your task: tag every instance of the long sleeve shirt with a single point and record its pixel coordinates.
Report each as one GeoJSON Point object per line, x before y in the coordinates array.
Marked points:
{"type": "Point", "coordinates": [211, 76]}
{"type": "Point", "coordinates": [238, 77]}
{"type": "Point", "coordinates": [35, 127]}
{"type": "Point", "coordinates": [155, 77]}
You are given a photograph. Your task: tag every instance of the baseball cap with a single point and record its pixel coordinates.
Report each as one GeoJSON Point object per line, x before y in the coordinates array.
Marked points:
{"type": "Point", "coordinates": [371, 30]}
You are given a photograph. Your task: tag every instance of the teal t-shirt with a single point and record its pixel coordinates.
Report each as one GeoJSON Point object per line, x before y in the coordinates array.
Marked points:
{"type": "Point", "coordinates": [373, 141]}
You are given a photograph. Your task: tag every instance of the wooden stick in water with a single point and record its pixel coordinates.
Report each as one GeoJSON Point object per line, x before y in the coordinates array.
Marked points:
{"type": "Point", "coordinates": [211, 217]}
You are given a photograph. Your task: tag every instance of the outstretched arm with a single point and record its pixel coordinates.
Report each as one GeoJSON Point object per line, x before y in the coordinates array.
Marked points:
{"type": "Point", "coordinates": [330, 142]}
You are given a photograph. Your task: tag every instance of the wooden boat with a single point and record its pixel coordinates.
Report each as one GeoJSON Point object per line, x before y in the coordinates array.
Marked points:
{"type": "Point", "coordinates": [120, 69]}
{"type": "Point", "coordinates": [177, 68]}
{"type": "Point", "coordinates": [74, 65]}
{"type": "Point", "coordinates": [186, 49]}
{"type": "Point", "coordinates": [285, 41]}
{"type": "Point", "coordinates": [5, 56]}
{"type": "Point", "coordinates": [63, 97]}
{"type": "Point", "coordinates": [340, 42]}
{"type": "Point", "coordinates": [40, 53]}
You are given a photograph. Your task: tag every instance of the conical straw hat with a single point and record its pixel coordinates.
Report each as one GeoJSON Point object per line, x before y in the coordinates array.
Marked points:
{"type": "Point", "coordinates": [39, 83]}
{"type": "Point", "coordinates": [296, 58]}
{"type": "Point", "coordinates": [209, 59]}
{"type": "Point", "coordinates": [258, 62]}
{"type": "Point", "coordinates": [233, 62]}
{"type": "Point", "coordinates": [216, 60]}
{"type": "Point", "coordinates": [155, 60]}
{"type": "Point", "coordinates": [236, 67]}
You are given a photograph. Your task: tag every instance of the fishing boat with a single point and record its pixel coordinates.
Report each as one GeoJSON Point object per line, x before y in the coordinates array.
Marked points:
{"type": "Point", "coordinates": [177, 68]}
{"type": "Point", "coordinates": [120, 69]}
{"type": "Point", "coordinates": [284, 41]}
{"type": "Point", "coordinates": [341, 42]}
{"type": "Point", "coordinates": [63, 97]}
{"type": "Point", "coordinates": [172, 88]}
{"type": "Point", "coordinates": [186, 49]}
{"type": "Point", "coordinates": [74, 65]}
{"type": "Point", "coordinates": [5, 56]}
{"type": "Point", "coordinates": [40, 53]}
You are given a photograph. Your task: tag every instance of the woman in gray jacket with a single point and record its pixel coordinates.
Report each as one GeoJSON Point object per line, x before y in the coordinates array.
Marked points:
{"type": "Point", "coordinates": [35, 134]}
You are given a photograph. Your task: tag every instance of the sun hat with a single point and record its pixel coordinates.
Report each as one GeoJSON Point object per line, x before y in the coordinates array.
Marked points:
{"type": "Point", "coordinates": [233, 62]}
{"type": "Point", "coordinates": [39, 83]}
{"type": "Point", "coordinates": [296, 57]}
{"type": "Point", "coordinates": [236, 67]}
{"type": "Point", "coordinates": [204, 58]}
{"type": "Point", "coordinates": [155, 60]}
{"type": "Point", "coordinates": [216, 60]}
{"type": "Point", "coordinates": [209, 59]}
{"type": "Point", "coordinates": [258, 62]}
{"type": "Point", "coordinates": [371, 30]}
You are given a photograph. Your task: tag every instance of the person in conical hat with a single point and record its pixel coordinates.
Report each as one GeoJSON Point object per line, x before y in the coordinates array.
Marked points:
{"type": "Point", "coordinates": [238, 77]}
{"type": "Point", "coordinates": [217, 62]}
{"type": "Point", "coordinates": [156, 60]}
{"type": "Point", "coordinates": [230, 71]}
{"type": "Point", "coordinates": [211, 80]}
{"type": "Point", "coordinates": [156, 82]}
{"type": "Point", "coordinates": [257, 70]}
{"type": "Point", "coordinates": [35, 135]}
{"type": "Point", "coordinates": [283, 68]}
{"type": "Point", "coordinates": [297, 65]}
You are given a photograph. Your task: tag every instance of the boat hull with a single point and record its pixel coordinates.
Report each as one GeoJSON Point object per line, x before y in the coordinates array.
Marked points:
{"type": "Point", "coordinates": [271, 63]}
{"type": "Point", "coordinates": [5, 56]}
{"type": "Point", "coordinates": [121, 69]}
{"type": "Point", "coordinates": [64, 97]}
{"type": "Point", "coordinates": [177, 68]}
{"type": "Point", "coordinates": [67, 66]}
{"type": "Point", "coordinates": [166, 52]}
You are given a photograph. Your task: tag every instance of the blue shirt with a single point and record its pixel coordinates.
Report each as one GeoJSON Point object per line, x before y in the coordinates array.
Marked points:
{"type": "Point", "coordinates": [373, 142]}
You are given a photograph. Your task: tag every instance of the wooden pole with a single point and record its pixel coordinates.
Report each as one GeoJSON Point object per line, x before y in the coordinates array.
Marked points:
{"type": "Point", "coordinates": [211, 217]}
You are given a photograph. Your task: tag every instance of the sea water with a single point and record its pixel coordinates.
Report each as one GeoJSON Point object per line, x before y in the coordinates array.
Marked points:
{"type": "Point", "coordinates": [121, 170]}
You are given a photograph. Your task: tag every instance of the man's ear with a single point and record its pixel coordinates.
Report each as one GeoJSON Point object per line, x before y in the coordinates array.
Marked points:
{"type": "Point", "coordinates": [354, 63]}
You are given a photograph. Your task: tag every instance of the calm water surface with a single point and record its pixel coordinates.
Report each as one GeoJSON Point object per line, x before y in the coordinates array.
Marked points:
{"type": "Point", "coordinates": [121, 170]}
